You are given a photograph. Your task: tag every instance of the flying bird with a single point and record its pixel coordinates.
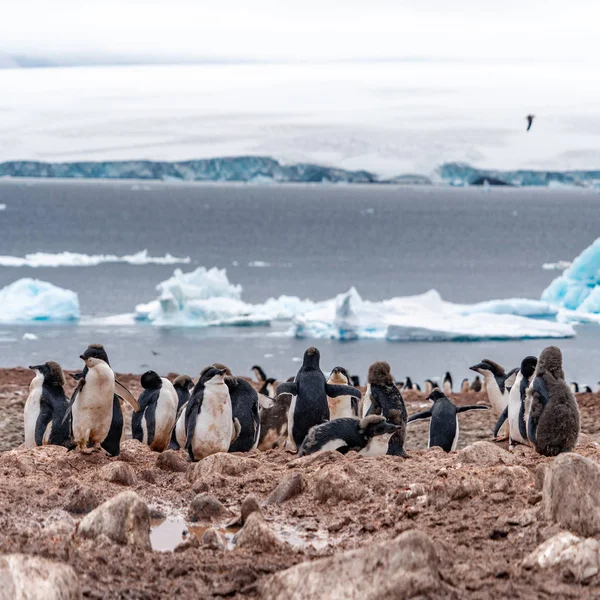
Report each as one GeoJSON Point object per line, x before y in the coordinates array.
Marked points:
{"type": "Point", "coordinates": [530, 119]}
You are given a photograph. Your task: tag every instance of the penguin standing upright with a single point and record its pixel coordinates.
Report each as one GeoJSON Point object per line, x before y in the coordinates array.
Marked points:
{"type": "Point", "coordinates": [208, 416]}
{"type": "Point", "coordinates": [309, 393]}
{"type": "Point", "coordinates": [553, 416]}
{"type": "Point", "coordinates": [182, 384]}
{"type": "Point", "coordinates": [515, 411]}
{"type": "Point", "coordinates": [465, 386]}
{"type": "Point", "coordinates": [45, 408]}
{"type": "Point", "coordinates": [447, 385]}
{"type": "Point", "coordinates": [155, 420]}
{"type": "Point", "coordinates": [497, 383]}
{"type": "Point", "coordinates": [443, 428]}
{"type": "Point", "coordinates": [342, 406]}
{"type": "Point", "coordinates": [386, 400]}
{"type": "Point", "coordinates": [95, 409]}
{"type": "Point", "coordinates": [476, 384]}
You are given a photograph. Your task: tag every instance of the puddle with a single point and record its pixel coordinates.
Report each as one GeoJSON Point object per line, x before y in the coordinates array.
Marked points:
{"type": "Point", "coordinates": [166, 534]}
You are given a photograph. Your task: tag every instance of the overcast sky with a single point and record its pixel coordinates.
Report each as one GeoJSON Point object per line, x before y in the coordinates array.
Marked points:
{"type": "Point", "coordinates": [307, 29]}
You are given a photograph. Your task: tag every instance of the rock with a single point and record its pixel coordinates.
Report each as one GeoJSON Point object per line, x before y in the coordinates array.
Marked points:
{"type": "Point", "coordinates": [249, 505]}
{"type": "Point", "coordinates": [221, 463]}
{"type": "Point", "coordinates": [118, 472]}
{"type": "Point", "coordinates": [485, 454]}
{"type": "Point", "coordinates": [212, 539]}
{"type": "Point", "coordinates": [81, 500]}
{"type": "Point", "coordinates": [60, 526]}
{"type": "Point", "coordinates": [571, 494]}
{"type": "Point", "coordinates": [288, 488]}
{"type": "Point", "coordinates": [579, 557]}
{"type": "Point", "coordinates": [148, 475]}
{"type": "Point", "coordinates": [525, 518]}
{"type": "Point", "coordinates": [25, 577]}
{"type": "Point", "coordinates": [456, 486]}
{"type": "Point", "coordinates": [509, 480]}
{"type": "Point", "coordinates": [205, 507]}
{"type": "Point", "coordinates": [333, 482]}
{"type": "Point", "coordinates": [125, 519]}
{"type": "Point", "coordinates": [169, 460]}
{"type": "Point", "coordinates": [318, 458]}
{"type": "Point", "coordinates": [540, 475]}
{"type": "Point", "coordinates": [405, 567]}
{"type": "Point", "coordinates": [257, 535]}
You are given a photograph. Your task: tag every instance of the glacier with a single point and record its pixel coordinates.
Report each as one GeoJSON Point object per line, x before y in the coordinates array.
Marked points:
{"type": "Point", "coordinates": [74, 259]}
{"type": "Point", "coordinates": [205, 297]}
{"type": "Point", "coordinates": [578, 288]}
{"type": "Point", "coordinates": [27, 300]}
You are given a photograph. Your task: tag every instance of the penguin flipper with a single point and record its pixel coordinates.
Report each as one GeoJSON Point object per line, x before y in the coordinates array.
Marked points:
{"type": "Point", "coordinates": [44, 417]}
{"type": "Point", "coordinates": [354, 404]}
{"type": "Point", "coordinates": [73, 398]}
{"type": "Point", "coordinates": [124, 393]}
{"type": "Point", "coordinates": [476, 407]}
{"type": "Point", "coordinates": [333, 391]}
{"type": "Point", "coordinates": [501, 419]}
{"type": "Point", "coordinates": [288, 388]}
{"type": "Point", "coordinates": [237, 428]}
{"type": "Point", "coordinates": [426, 414]}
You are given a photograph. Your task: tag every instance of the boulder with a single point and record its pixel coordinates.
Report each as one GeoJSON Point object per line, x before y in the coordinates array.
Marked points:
{"type": "Point", "coordinates": [318, 458]}
{"type": "Point", "coordinates": [169, 460]}
{"type": "Point", "coordinates": [336, 483]}
{"type": "Point", "coordinates": [289, 487]}
{"type": "Point", "coordinates": [405, 567]}
{"type": "Point", "coordinates": [256, 535]}
{"type": "Point", "coordinates": [118, 472]}
{"type": "Point", "coordinates": [25, 577]}
{"type": "Point", "coordinates": [205, 507]}
{"type": "Point", "coordinates": [485, 454]}
{"type": "Point", "coordinates": [571, 494]}
{"type": "Point", "coordinates": [82, 499]}
{"type": "Point", "coordinates": [221, 463]}
{"type": "Point", "coordinates": [212, 539]}
{"type": "Point", "coordinates": [124, 519]}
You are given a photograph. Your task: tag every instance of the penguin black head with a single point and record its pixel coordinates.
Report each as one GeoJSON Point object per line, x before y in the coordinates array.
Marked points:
{"type": "Point", "coordinates": [183, 381]}
{"type": "Point", "coordinates": [355, 380]}
{"type": "Point", "coordinates": [550, 361]}
{"type": "Point", "coordinates": [375, 425]}
{"type": "Point", "coordinates": [212, 375]}
{"type": "Point", "coordinates": [339, 374]}
{"type": "Point", "coordinates": [151, 380]}
{"type": "Point", "coordinates": [268, 387]}
{"type": "Point", "coordinates": [435, 395]}
{"type": "Point", "coordinates": [408, 384]}
{"type": "Point", "coordinates": [380, 374]}
{"type": "Point", "coordinates": [312, 359]}
{"type": "Point", "coordinates": [528, 365]}
{"type": "Point", "coordinates": [488, 365]}
{"type": "Point", "coordinates": [94, 352]}
{"type": "Point", "coordinates": [259, 373]}
{"type": "Point", "coordinates": [52, 373]}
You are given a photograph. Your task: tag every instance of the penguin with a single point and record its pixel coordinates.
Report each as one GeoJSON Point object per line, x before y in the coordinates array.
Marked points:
{"type": "Point", "coordinates": [553, 416]}
{"type": "Point", "coordinates": [496, 380]}
{"type": "Point", "coordinates": [355, 380]}
{"type": "Point", "coordinates": [244, 410]}
{"type": "Point", "coordinates": [94, 407]}
{"type": "Point", "coordinates": [447, 385]}
{"type": "Point", "coordinates": [515, 411]}
{"type": "Point", "coordinates": [465, 386]}
{"type": "Point", "coordinates": [182, 384]}
{"type": "Point", "coordinates": [260, 375]}
{"type": "Point", "coordinates": [45, 408]}
{"type": "Point", "coordinates": [274, 423]}
{"type": "Point", "coordinates": [430, 386]}
{"type": "Point", "coordinates": [587, 389]}
{"type": "Point", "coordinates": [530, 119]}
{"type": "Point", "coordinates": [476, 384]}
{"type": "Point", "coordinates": [153, 424]}
{"type": "Point", "coordinates": [208, 416]}
{"type": "Point", "coordinates": [574, 387]}
{"type": "Point", "coordinates": [369, 436]}
{"type": "Point", "coordinates": [268, 388]}
{"type": "Point", "coordinates": [386, 400]}
{"type": "Point", "coordinates": [309, 398]}
{"type": "Point", "coordinates": [407, 384]}
{"type": "Point", "coordinates": [443, 428]}
{"type": "Point", "coordinates": [342, 406]}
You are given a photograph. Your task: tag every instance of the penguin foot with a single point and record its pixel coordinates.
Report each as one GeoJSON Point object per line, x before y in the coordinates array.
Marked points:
{"type": "Point", "coordinates": [498, 438]}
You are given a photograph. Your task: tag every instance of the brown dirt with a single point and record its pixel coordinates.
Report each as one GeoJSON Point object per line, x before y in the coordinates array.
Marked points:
{"type": "Point", "coordinates": [471, 511]}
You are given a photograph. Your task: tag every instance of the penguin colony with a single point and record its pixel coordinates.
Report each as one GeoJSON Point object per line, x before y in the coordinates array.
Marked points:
{"type": "Point", "coordinates": [305, 414]}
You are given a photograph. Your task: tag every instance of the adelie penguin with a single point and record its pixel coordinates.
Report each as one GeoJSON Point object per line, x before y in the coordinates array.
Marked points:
{"type": "Point", "coordinates": [476, 384]}
{"type": "Point", "coordinates": [154, 422]}
{"type": "Point", "coordinates": [465, 386]}
{"type": "Point", "coordinates": [342, 406]}
{"type": "Point", "coordinates": [498, 383]}
{"type": "Point", "coordinates": [443, 428]}
{"type": "Point", "coordinates": [208, 416]}
{"type": "Point", "coordinates": [95, 409]}
{"type": "Point", "coordinates": [384, 398]}
{"type": "Point", "coordinates": [274, 423]}
{"type": "Point", "coordinates": [369, 436]}
{"type": "Point", "coordinates": [553, 415]}
{"type": "Point", "coordinates": [447, 384]}
{"type": "Point", "coordinates": [309, 393]}
{"type": "Point", "coordinates": [515, 411]}
{"type": "Point", "coordinates": [183, 384]}
{"type": "Point", "coordinates": [45, 408]}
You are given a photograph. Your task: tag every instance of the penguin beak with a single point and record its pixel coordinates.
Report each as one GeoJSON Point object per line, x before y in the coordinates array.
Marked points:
{"type": "Point", "coordinates": [82, 357]}
{"type": "Point", "coordinates": [476, 367]}
{"type": "Point", "coordinates": [220, 371]}
{"type": "Point", "coordinates": [35, 367]}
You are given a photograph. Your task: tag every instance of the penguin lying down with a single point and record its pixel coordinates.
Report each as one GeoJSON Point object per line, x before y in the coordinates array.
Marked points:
{"type": "Point", "coordinates": [443, 429]}
{"type": "Point", "coordinates": [369, 436]}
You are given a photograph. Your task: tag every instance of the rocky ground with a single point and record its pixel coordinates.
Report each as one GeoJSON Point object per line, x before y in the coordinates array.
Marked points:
{"type": "Point", "coordinates": [458, 525]}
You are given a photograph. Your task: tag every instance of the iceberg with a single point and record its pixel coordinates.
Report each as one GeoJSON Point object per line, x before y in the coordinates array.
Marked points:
{"type": "Point", "coordinates": [578, 288]}
{"type": "Point", "coordinates": [73, 259]}
{"type": "Point", "coordinates": [205, 298]}
{"type": "Point", "coordinates": [34, 300]}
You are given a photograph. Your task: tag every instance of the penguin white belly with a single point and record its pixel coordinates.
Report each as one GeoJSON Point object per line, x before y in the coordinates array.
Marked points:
{"type": "Point", "coordinates": [165, 416]}
{"type": "Point", "coordinates": [256, 436]}
{"type": "Point", "coordinates": [340, 407]}
{"type": "Point", "coordinates": [455, 441]}
{"type": "Point", "coordinates": [291, 444]}
{"type": "Point", "coordinates": [180, 432]}
{"type": "Point", "coordinates": [334, 444]}
{"type": "Point", "coordinates": [32, 409]}
{"type": "Point", "coordinates": [377, 446]}
{"type": "Point", "coordinates": [92, 410]}
{"type": "Point", "coordinates": [447, 388]}
{"type": "Point", "coordinates": [47, 434]}
{"type": "Point", "coordinates": [497, 399]}
{"type": "Point", "coordinates": [514, 408]}
{"type": "Point", "coordinates": [366, 402]}
{"type": "Point", "coordinates": [214, 425]}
